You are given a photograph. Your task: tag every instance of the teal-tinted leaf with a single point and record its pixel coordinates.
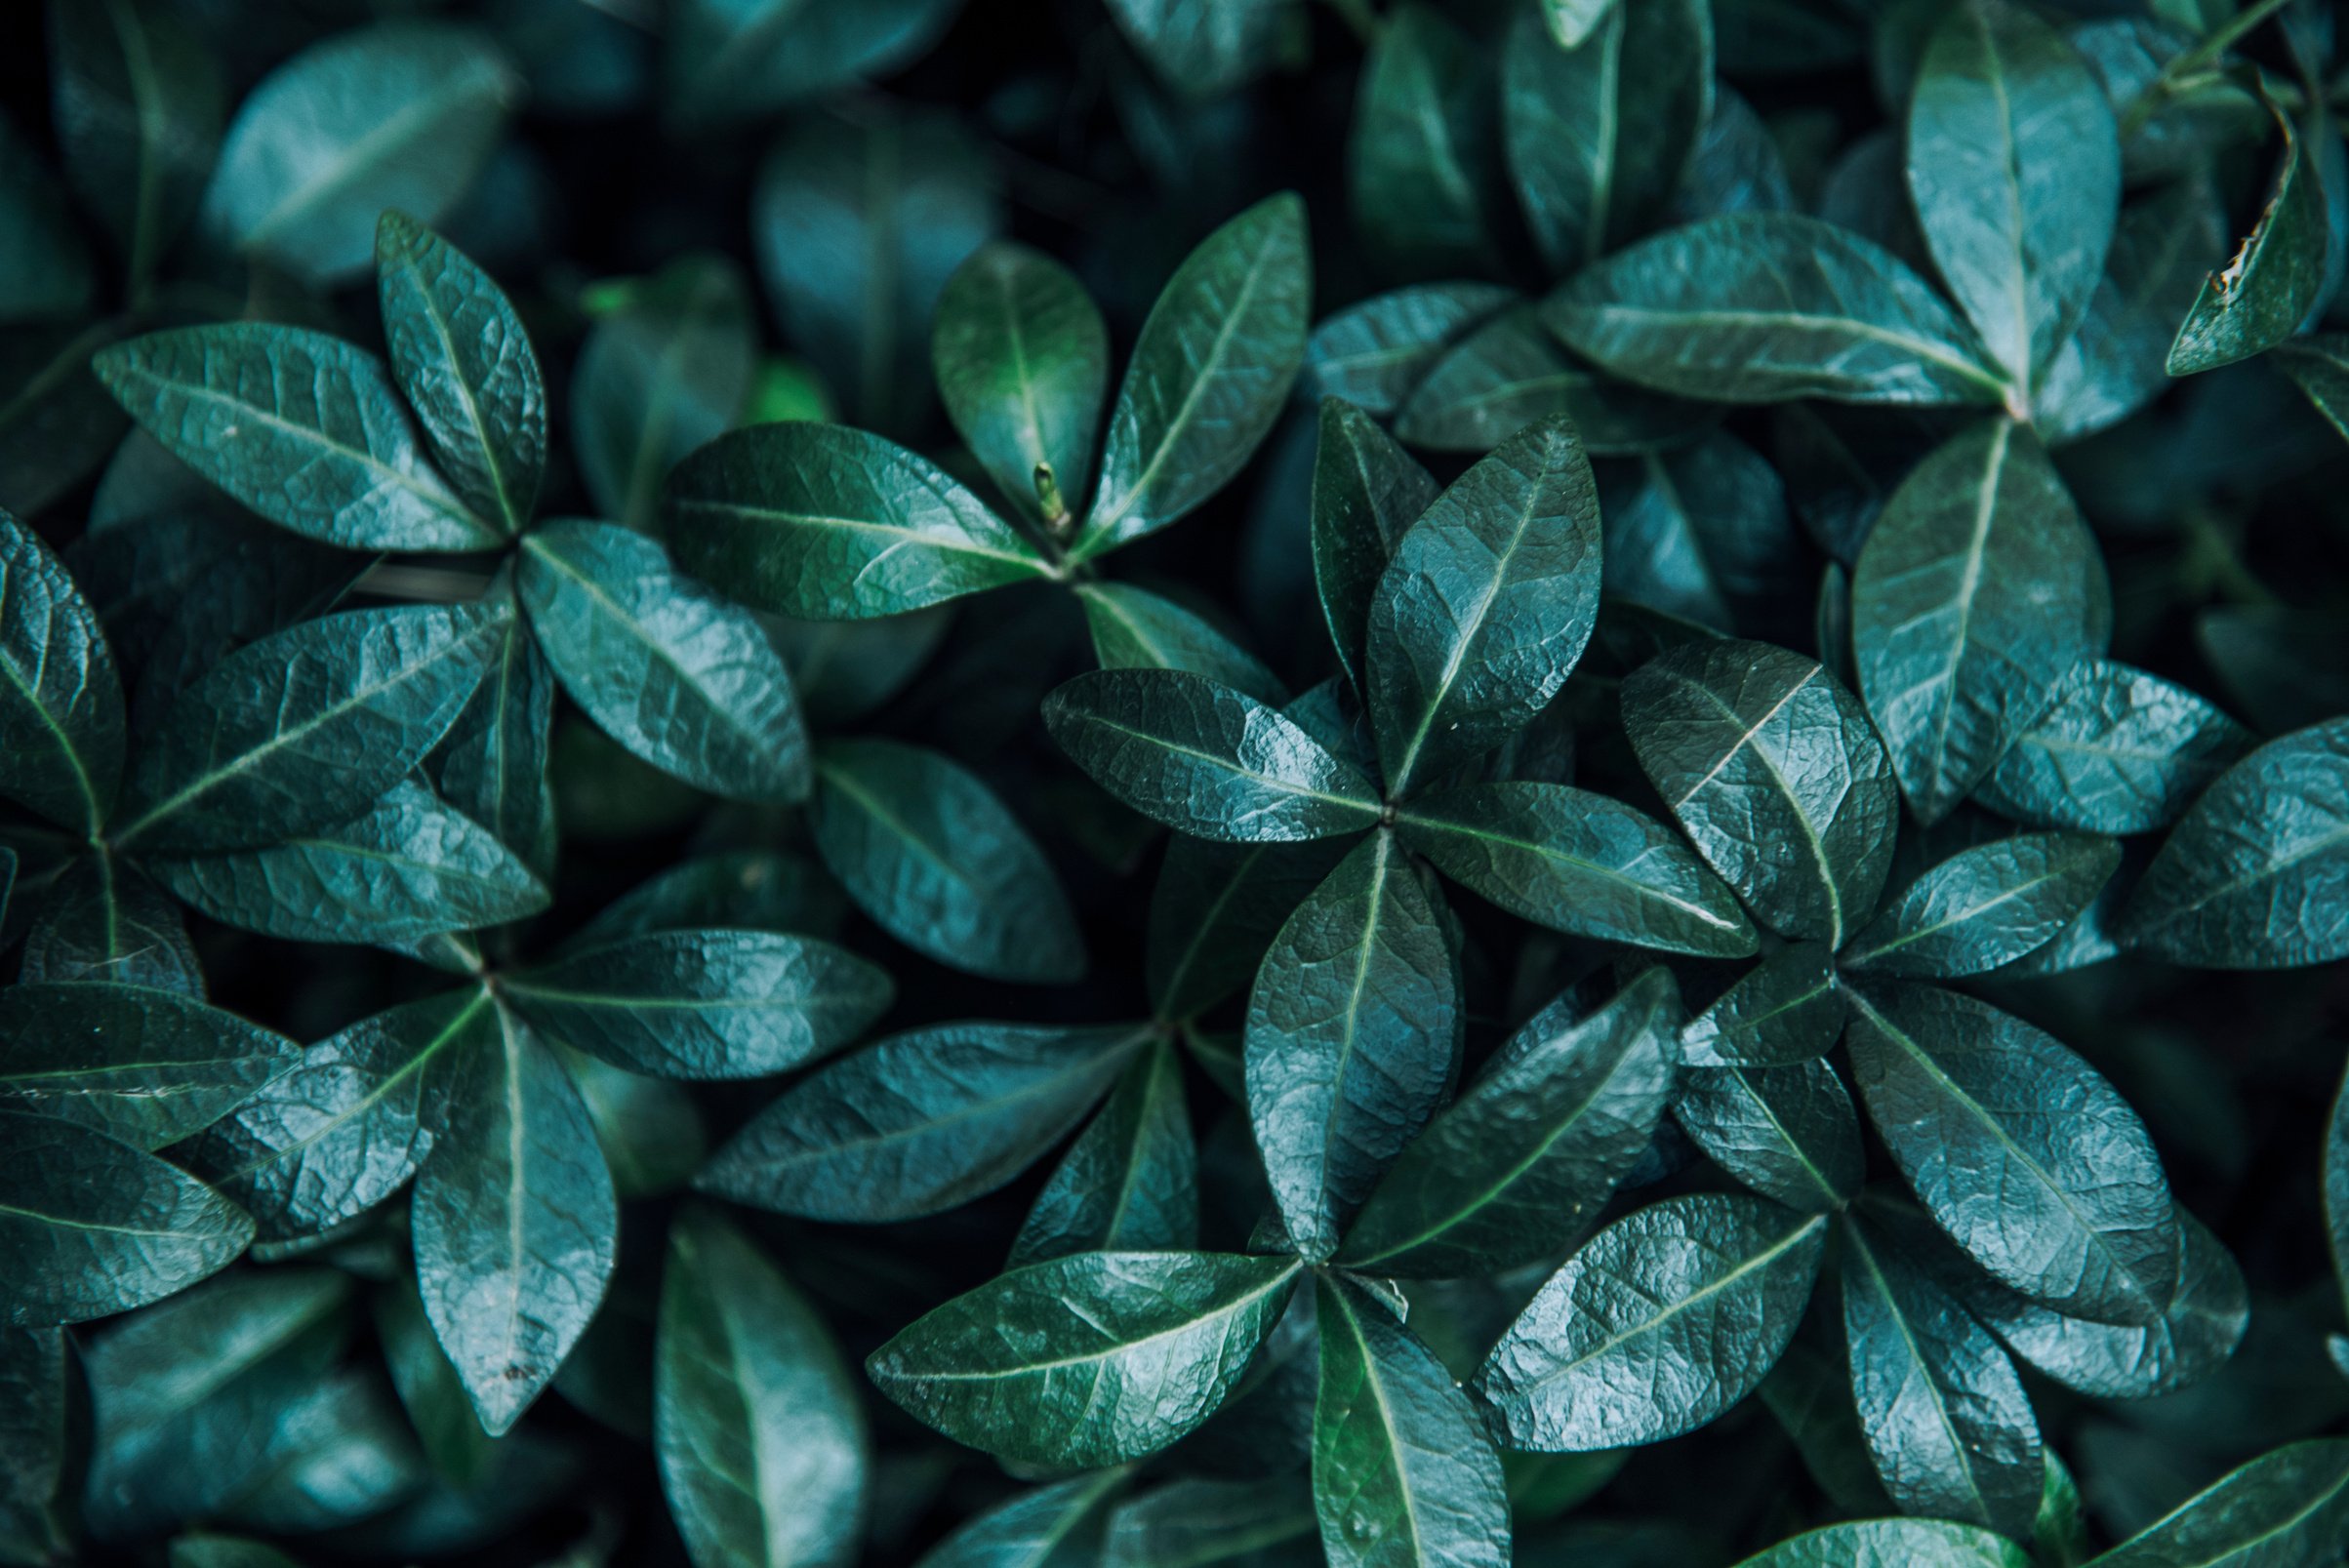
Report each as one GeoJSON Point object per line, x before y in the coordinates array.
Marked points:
{"type": "Point", "coordinates": [1977, 589]}
{"type": "Point", "coordinates": [1193, 1523]}
{"type": "Point", "coordinates": [1514, 1167]}
{"type": "Point", "coordinates": [937, 860]}
{"type": "Point", "coordinates": [1911, 1542]}
{"type": "Point", "coordinates": [832, 524]}
{"type": "Point", "coordinates": [1787, 1132]}
{"type": "Point", "coordinates": [226, 1551]}
{"type": "Point", "coordinates": [2059, 1534]}
{"type": "Point", "coordinates": [2335, 1186]}
{"type": "Point", "coordinates": [1776, 776]}
{"type": "Point", "coordinates": [406, 868]}
{"type": "Point", "coordinates": [56, 423]}
{"type": "Point", "coordinates": [2117, 362]}
{"type": "Point", "coordinates": [1946, 1418]}
{"type": "Point", "coordinates": [703, 1004]}
{"type": "Point", "coordinates": [1599, 132]}
{"type": "Point", "coordinates": [668, 669]}
{"type": "Point", "coordinates": [1134, 629]}
{"type": "Point", "coordinates": [1662, 1321]}
{"type": "Point", "coordinates": [1762, 308]}
{"type": "Point", "coordinates": [2117, 751]}
{"type": "Point", "coordinates": [649, 1129]}
{"type": "Point", "coordinates": [739, 889]}
{"type": "Point", "coordinates": [45, 266]}
{"type": "Point", "coordinates": [1785, 1008]}
{"type": "Point", "coordinates": [1373, 353]}
{"type": "Point", "coordinates": [1403, 1473]}
{"type": "Point", "coordinates": [846, 670]}
{"type": "Point", "coordinates": [338, 1452]}
{"type": "Point", "coordinates": [305, 429]}
{"type": "Point", "coordinates": [516, 1227]}
{"type": "Point", "coordinates": [1580, 863]}
{"type": "Point", "coordinates": [659, 378]}
{"type": "Point", "coordinates": [920, 1122]}
{"type": "Point", "coordinates": [1703, 531]}
{"type": "Point", "coordinates": [1738, 165]}
{"type": "Point", "coordinates": [1090, 1359]}
{"type": "Point", "coordinates": [61, 700]}
{"type": "Point", "coordinates": [1422, 168]}
{"type": "Point", "coordinates": [1510, 373]}
{"type": "Point", "coordinates": [149, 1066]}
{"type": "Point", "coordinates": [2019, 1150]}
{"type": "Point", "coordinates": [430, 1389]}
{"type": "Point", "coordinates": [1023, 363]}
{"type": "Point", "coordinates": [1352, 1037]}
{"type": "Point", "coordinates": [401, 114]}
{"type": "Point", "coordinates": [492, 764]}
{"type": "Point", "coordinates": [1215, 910]}
{"type": "Point", "coordinates": [103, 920]}
{"type": "Point", "coordinates": [756, 1418]}
{"type": "Point", "coordinates": [2285, 1507]}
{"type": "Point", "coordinates": [1205, 759]}
{"type": "Point", "coordinates": [1485, 606]}
{"type": "Point", "coordinates": [304, 729]}
{"type": "Point", "coordinates": [2320, 367]}
{"type": "Point", "coordinates": [1063, 1525]}
{"type": "Point", "coordinates": [464, 362]}
{"type": "Point", "coordinates": [2251, 877]}
{"type": "Point", "coordinates": [1368, 491]}
{"type": "Point", "coordinates": [1810, 1397]}
{"type": "Point", "coordinates": [1986, 906]}
{"type": "Point", "coordinates": [1130, 1182]}
{"type": "Point", "coordinates": [2015, 164]}
{"type": "Point", "coordinates": [1202, 48]}
{"type": "Point", "coordinates": [35, 1439]}
{"type": "Point", "coordinates": [2275, 277]}
{"type": "Point", "coordinates": [93, 1227]}
{"type": "Point", "coordinates": [1209, 374]}
{"type": "Point", "coordinates": [736, 59]}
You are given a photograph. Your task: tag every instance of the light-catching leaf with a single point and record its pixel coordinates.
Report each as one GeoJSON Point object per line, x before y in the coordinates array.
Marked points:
{"type": "Point", "coordinates": [1785, 1008]}
{"type": "Point", "coordinates": [61, 720]}
{"type": "Point", "coordinates": [2276, 275]}
{"type": "Point", "coordinates": [1023, 363]}
{"type": "Point", "coordinates": [1788, 1132]}
{"type": "Point", "coordinates": [1134, 629]}
{"type": "Point", "coordinates": [2117, 751]}
{"type": "Point", "coordinates": [149, 1066]}
{"type": "Point", "coordinates": [1913, 1542]}
{"type": "Point", "coordinates": [2290, 1505]}
{"type": "Point", "coordinates": [1130, 1182]}
{"type": "Point", "coordinates": [1368, 491]}
{"type": "Point", "coordinates": [1986, 906]}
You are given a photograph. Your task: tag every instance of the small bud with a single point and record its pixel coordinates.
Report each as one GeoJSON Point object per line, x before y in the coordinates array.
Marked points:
{"type": "Point", "coordinates": [1048, 496]}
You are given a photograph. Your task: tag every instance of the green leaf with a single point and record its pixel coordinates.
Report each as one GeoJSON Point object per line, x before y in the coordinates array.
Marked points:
{"type": "Point", "coordinates": [1353, 1038]}
{"type": "Point", "coordinates": [1422, 168]}
{"type": "Point", "coordinates": [1758, 751]}
{"type": "Point", "coordinates": [61, 719]}
{"type": "Point", "coordinates": [1134, 629]}
{"type": "Point", "coordinates": [1485, 605]}
{"type": "Point", "coordinates": [2320, 367]}
{"type": "Point", "coordinates": [2286, 1506]}
{"type": "Point", "coordinates": [938, 862]}
{"type": "Point", "coordinates": [1367, 492]}
{"type": "Point", "coordinates": [1022, 358]}
{"type": "Point", "coordinates": [2251, 878]}
{"type": "Point", "coordinates": [1509, 372]}
{"type": "Point", "coordinates": [1911, 1542]}
{"type": "Point", "coordinates": [1091, 1359]}
{"type": "Point", "coordinates": [847, 670]}
{"type": "Point", "coordinates": [831, 524]}
{"type": "Point", "coordinates": [1945, 1414]}
{"type": "Point", "coordinates": [35, 1439]}
{"type": "Point", "coordinates": [921, 1122]}
{"type": "Point", "coordinates": [649, 1129]}
{"type": "Point", "coordinates": [399, 114]}
{"type": "Point", "coordinates": [408, 867]}
{"type": "Point", "coordinates": [305, 729]}
{"type": "Point", "coordinates": [1662, 1321]}
{"type": "Point", "coordinates": [728, 60]}
{"type": "Point", "coordinates": [430, 1389]}
{"type": "Point", "coordinates": [1373, 353]}
{"type": "Point", "coordinates": [147, 1066]}
{"type": "Point", "coordinates": [492, 764]}
{"type": "Point", "coordinates": [226, 1551]}
{"type": "Point", "coordinates": [702, 1004]}
{"type": "Point", "coordinates": [1202, 48]}
{"type": "Point", "coordinates": [45, 267]}
{"type": "Point", "coordinates": [756, 1418]}
{"type": "Point", "coordinates": [1986, 906]}
{"type": "Point", "coordinates": [105, 921]}
{"type": "Point", "coordinates": [1570, 22]}
{"type": "Point", "coordinates": [1787, 1132]}
{"type": "Point", "coordinates": [1210, 373]}
{"type": "Point", "coordinates": [464, 362]}
{"type": "Point", "coordinates": [1784, 1009]}
{"type": "Point", "coordinates": [93, 1227]}
{"type": "Point", "coordinates": [1191, 1523]}
{"type": "Point", "coordinates": [1514, 1169]}
{"type": "Point", "coordinates": [1763, 307]}
{"type": "Point", "coordinates": [2073, 1209]}
{"type": "Point", "coordinates": [670, 669]}
{"type": "Point", "coordinates": [1130, 1182]}
{"type": "Point", "coordinates": [739, 890]}
{"type": "Point", "coordinates": [1403, 1473]}
{"type": "Point", "coordinates": [1062, 1525]}
{"type": "Point", "coordinates": [2117, 751]}
{"type": "Point", "coordinates": [2014, 165]}
{"type": "Point", "coordinates": [1205, 759]}
{"type": "Point", "coordinates": [1977, 589]}
{"type": "Point", "coordinates": [1215, 910]}
{"type": "Point", "coordinates": [2275, 277]}
{"type": "Point", "coordinates": [1601, 129]}
{"type": "Point", "coordinates": [2117, 362]}
{"type": "Point", "coordinates": [1703, 533]}
{"type": "Point", "coordinates": [1581, 864]}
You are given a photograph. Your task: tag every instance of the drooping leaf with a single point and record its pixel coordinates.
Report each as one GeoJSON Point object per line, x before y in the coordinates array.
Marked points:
{"type": "Point", "coordinates": [1787, 1132]}
{"type": "Point", "coordinates": [1916, 1543]}
{"type": "Point", "coordinates": [1134, 629]}
{"type": "Point", "coordinates": [1986, 906]}
{"type": "Point", "coordinates": [147, 1066]}
{"type": "Point", "coordinates": [1368, 491]}
{"type": "Point", "coordinates": [1421, 157]}
{"type": "Point", "coordinates": [2117, 751]}
{"type": "Point", "coordinates": [1130, 1182]}
{"type": "Point", "coordinates": [1784, 1009]}
{"type": "Point", "coordinates": [1021, 359]}
{"type": "Point", "coordinates": [2276, 275]}
{"type": "Point", "coordinates": [61, 720]}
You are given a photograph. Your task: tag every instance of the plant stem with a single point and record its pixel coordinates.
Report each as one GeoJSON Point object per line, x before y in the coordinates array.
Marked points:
{"type": "Point", "coordinates": [2223, 37]}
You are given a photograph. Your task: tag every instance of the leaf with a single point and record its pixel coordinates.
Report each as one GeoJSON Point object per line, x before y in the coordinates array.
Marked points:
{"type": "Point", "coordinates": [1422, 166]}
{"type": "Point", "coordinates": [1978, 587]}
{"type": "Point", "coordinates": [1599, 129]}
{"type": "Point", "coordinates": [1787, 1132]}
{"type": "Point", "coordinates": [1704, 534]}
{"type": "Point", "coordinates": [2249, 879]}
{"type": "Point", "coordinates": [1756, 752]}
{"type": "Point", "coordinates": [305, 729]}
{"type": "Point", "coordinates": [1190, 1521]}
{"type": "Point", "coordinates": [1021, 359]}
{"type": "Point", "coordinates": [2288, 1505]}
{"type": "Point", "coordinates": [1205, 759]}
{"type": "Point", "coordinates": [431, 1391]}
{"type": "Point", "coordinates": [1202, 49]}
{"type": "Point", "coordinates": [305, 429]}
{"type": "Point", "coordinates": [1485, 605]}
{"type": "Point", "coordinates": [1373, 353]}
{"type": "Point", "coordinates": [1662, 1321]}
{"type": "Point", "coordinates": [2275, 277]}
{"type": "Point", "coordinates": [1130, 1182]}
{"type": "Point", "coordinates": [61, 719]}
{"type": "Point", "coordinates": [2019, 1150]}
{"type": "Point", "coordinates": [848, 669]}
{"type": "Point", "coordinates": [105, 921]}
{"type": "Point", "coordinates": [144, 1066]}
{"type": "Point", "coordinates": [832, 524]}
{"type": "Point", "coordinates": [1578, 862]}
{"type": "Point", "coordinates": [2014, 165]}
{"type": "Point", "coordinates": [921, 1122]}
{"type": "Point", "coordinates": [93, 1227]}
{"type": "Point", "coordinates": [729, 62]}
{"type": "Point", "coordinates": [660, 378]}
{"type": "Point", "coordinates": [1784, 1009]}
{"type": "Point", "coordinates": [1986, 906]}
{"type": "Point", "coordinates": [1091, 1359]}
{"type": "Point", "coordinates": [1763, 307]}
{"type": "Point", "coordinates": [2117, 751]}
{"type": "Point", "coordinates": [2320, 367]}
{"type": "Point", "coordinates": [1509, 372]}
{"type": "Point", "coordinates": [937, 860]}
{"type": "Point", "coordinates": [1209, 374]}
{"type": "Point", "coordinates": [1403, 1473]}
{"type": "Point", "coordinates": [1215, 910]}
{"type": "Point", "coordinates": [1136, 630]}
{"type": "Point", "coordinates": [1513, 1169]}
{"type": "Point", "coordinates": [226, 1551]}
{"type": "Point", "coordinates": [671, 670]}
{"type": "Point", "coordinates": [755, 1419]}
{"type": "Point", "coordinates": [399, 114]}
{"type": "Point", "coordinates": [492, 764]}
{"type": "Point", "coordinates": [702, 1004]}
{"type": "Point", "coordinates": [1353, 1038]}
{"type": "Point", "coordinates": [649, 1129]}
{"type": "Point", "coordinates": [1060, 1525]}
{"type": "Point", "coordinates": [741, 890]}
{"type": "Point", "coordinates": [1914, 1543]}
{"type": "Point", "coordinates": [406, 868]}
{"type": "Point", "coordinates": [1367, 492]}
{"type": "Point", "coordinates": [35, 1438]}
{"type": "Point", "coordinates": [2117, 361]}
{"type": "Point", "coordinates": [465, 365]}
{"type": "Point", "coordinates": [45, 267]}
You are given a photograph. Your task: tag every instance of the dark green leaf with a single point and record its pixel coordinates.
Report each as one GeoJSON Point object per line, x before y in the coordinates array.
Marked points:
{"type": "Point", "coordinates": [2282, 1508]}
{"type": "Point", "coordinates": [431, 1390]}
{"type": "Point", "coordinates": [1703, 531]}
{"type": "Point", "coordinates": [226, 1551]}
{"type": "Point", "coordinates": [1136, 630]}
{"type": "Point", "coordinates": [1216, 909]}
{"type": "Point", "coordinates": [56, 423]}
{"type": "Point", "coordinates": [45, 267]}
{"type": "Point", "coordinates": [2115, 363]}
{"type": "Point", "coordinates": [105, 921]}
{"type": "Point", "coordinates": [1193, 1523]}
{"type": "Point", "coordinates": [2275, 277]}
{"type": "Point", "coordinates": [649, 1129]}
{"type": "Point", "coordinates": [1202, 48]}
{"type": "Point", "coordinates": [2117, 751]}
{"type": "Point", "coordinates": [1062, 1525]}
{"type": "Point", "coordinates": [61, 700]}
{"type": "Point", "coordinates": [1422, 166]}
{"type": "Point", "coordinates": [729, 62]}
{"type": "Point", "coordinates": [741, 890]}
{"type": "Point", "coordinates": [846, 670]}
{"type": "Point", "coordinates": [1373, 353]}
{"type": "Point", "coordinates": [149, 1066]}
{"type": "Point", "coordinates": [492, 764]}
{"type": "Point", "coordinates": [1509, 372]}
{"type": "Point", "coordinates": [1986, 906]}
{"type": "Point", "coordinates": [1788, 1132]}
{"type": "Point", "coordinates": [658, 379]}
{"type": "Point", "coordinates": [1785, 1010]}
{"type": "Point", "coordinates": [1023, 363]}
{"type": "Point", "coordinates": [2320, 367]}
{"type": "Point", "coordinates": [1911, 1543]}
{"type": "Point", "coordinates": [1368, 491]}
{"type": "Point", "coordinates": [35, 1439]}
{"type": "Point", "coordinates": [1129, 1183]}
